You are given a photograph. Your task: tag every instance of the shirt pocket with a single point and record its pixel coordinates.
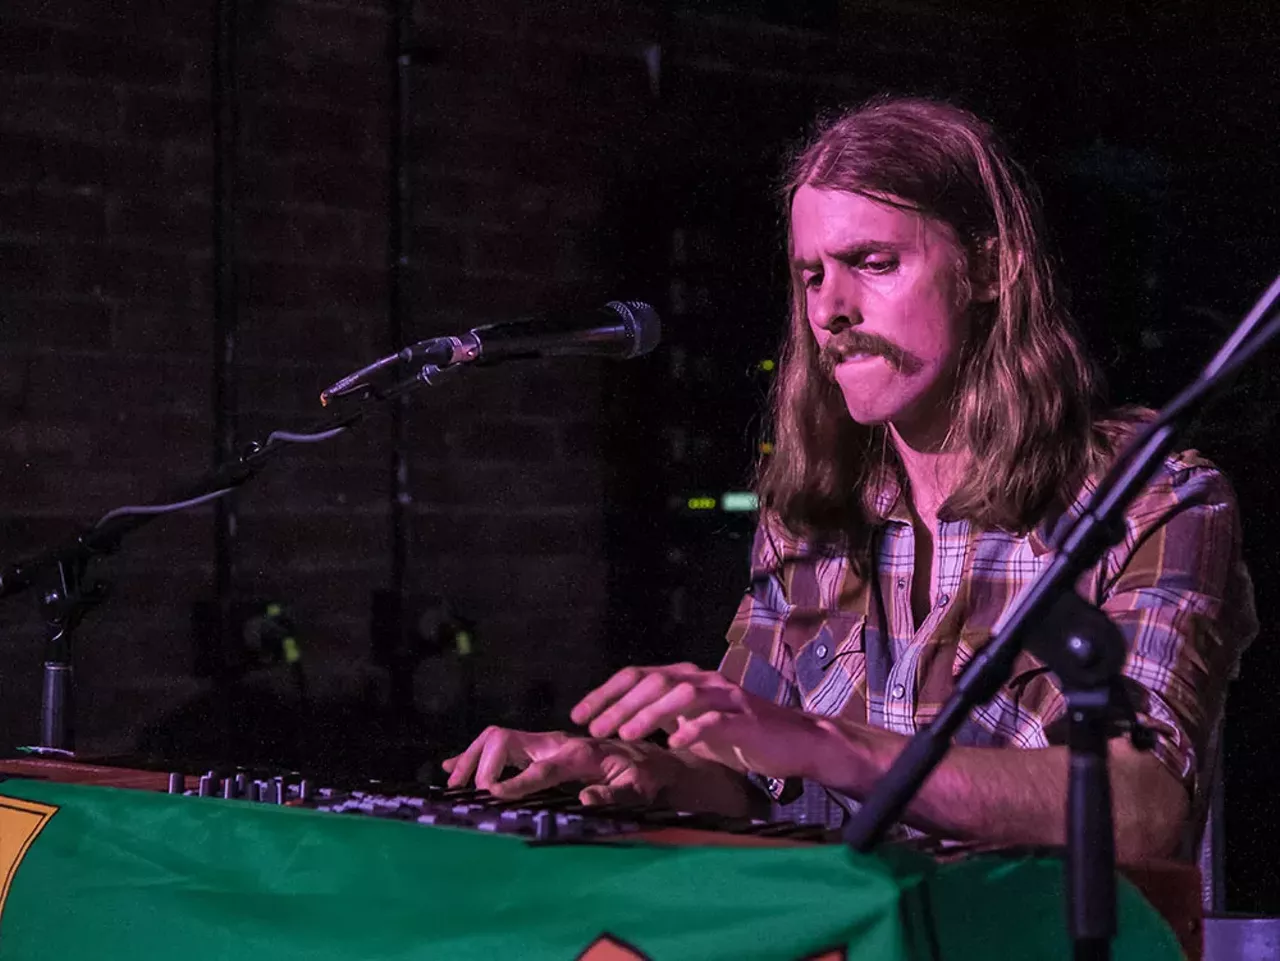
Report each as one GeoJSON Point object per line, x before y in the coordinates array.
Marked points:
{"type": "Point", "coordinates": [1019, 708]}
{"type": "Point", "coordinates": [837, 643]}
{"type": "Point", "coordinates": [1026, 666]}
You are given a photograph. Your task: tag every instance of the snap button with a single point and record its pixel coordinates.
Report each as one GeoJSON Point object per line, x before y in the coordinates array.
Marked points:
{"type": "Point", "coordinates": [899, 690]}
{"type": "Point", "coordinates": [902, 583]}
{"type": "Point", "coordinates": [943, 599]}
{"type": "Point", "coordinates": [820, 650]}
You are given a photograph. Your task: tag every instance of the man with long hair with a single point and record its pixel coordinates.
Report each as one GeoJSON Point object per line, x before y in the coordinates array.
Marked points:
{"type": "Point", "coordinates": [936, 424]}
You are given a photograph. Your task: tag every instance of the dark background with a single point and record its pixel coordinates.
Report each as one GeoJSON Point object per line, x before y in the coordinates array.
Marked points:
{"type": "Point", "coordinates": [551, 154]}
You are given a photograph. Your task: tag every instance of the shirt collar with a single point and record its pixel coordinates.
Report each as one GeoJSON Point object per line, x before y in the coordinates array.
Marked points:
{"type": "Point", "coordinates": [1058, 518]}
{"type": "Point", "coordinates": [884, 500]}
{"type": "Point", "coordinates": [882, 497]}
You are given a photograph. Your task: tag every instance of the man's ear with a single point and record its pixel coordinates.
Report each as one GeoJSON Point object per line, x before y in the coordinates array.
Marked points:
{"type": "Point", "coordinates": [984, 270]}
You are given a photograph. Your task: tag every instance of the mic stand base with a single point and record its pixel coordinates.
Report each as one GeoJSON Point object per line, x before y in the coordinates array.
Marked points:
{"type": "Point", "coordinates": [57, 709]}
{"type": "Point", "coordinates": [1086, 651]}
{"type": "Point", "coordinates": [64, 601]}
{"type": "Point", "coordinates": [1090, 852]}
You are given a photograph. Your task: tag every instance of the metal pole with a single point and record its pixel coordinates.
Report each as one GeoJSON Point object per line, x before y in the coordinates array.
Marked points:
{"type": "Point", "coordinates": [225, 307]}
{"type": "Point", "coordinates": [397, 279]}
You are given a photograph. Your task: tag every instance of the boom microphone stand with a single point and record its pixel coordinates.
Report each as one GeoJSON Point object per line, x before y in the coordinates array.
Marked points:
{"type": "Point", "coordinates": [620, 330]}
{"type": "Point", "coordinates": [1081, 646]}
{"type": "Point", "coordinates": [61, 575]}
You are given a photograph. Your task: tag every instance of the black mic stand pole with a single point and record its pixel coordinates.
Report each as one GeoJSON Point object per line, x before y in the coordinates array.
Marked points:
{"type": "Point", "coordinates": [1085, 650]}
{"type": "Point", "coordinates": [60, 574]}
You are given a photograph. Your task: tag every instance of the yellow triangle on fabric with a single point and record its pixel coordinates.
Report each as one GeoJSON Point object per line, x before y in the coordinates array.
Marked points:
{"type": "Point", "coordinates": [20, 823]}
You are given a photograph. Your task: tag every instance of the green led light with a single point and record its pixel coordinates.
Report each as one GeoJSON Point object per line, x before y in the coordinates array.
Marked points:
{"type": "Point", "coordinates": [702, 503]}
{"type": "Point", "coordinates": [739, 501]}
{"type": "Point", "coordinates": [767, 366]}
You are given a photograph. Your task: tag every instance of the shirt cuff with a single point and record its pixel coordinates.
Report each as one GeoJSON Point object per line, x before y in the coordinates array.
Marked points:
{"type": "Point", "coordinates": [782, 790]}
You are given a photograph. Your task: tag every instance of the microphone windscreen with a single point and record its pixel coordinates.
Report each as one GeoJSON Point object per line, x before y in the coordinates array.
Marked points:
{"type": "Point", "coordinates": [642, 323]}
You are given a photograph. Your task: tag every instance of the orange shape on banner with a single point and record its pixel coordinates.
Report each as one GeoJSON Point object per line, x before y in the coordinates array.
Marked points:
{"type": "Point", "coordinates": [608, 948]}
{"type": "Point", "coordinates": [20, 823]}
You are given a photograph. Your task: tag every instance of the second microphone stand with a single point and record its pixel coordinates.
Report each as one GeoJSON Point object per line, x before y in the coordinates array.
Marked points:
{"type": "Point", "coordinates": [1082, 646]}
{"type": "Point", "coordinates": [62, 578]}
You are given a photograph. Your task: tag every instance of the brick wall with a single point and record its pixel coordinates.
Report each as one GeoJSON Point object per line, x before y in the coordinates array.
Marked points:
{"type": "Point", "coordinates": [533, 126]}
{"type": "Point", "coordinates": [105, 296]}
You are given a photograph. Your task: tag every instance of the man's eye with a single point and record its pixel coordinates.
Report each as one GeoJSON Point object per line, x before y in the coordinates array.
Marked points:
{"type": "Point", "coordinates": [880, 265]}
{"type": "Point", "coordinates": [813, 281]}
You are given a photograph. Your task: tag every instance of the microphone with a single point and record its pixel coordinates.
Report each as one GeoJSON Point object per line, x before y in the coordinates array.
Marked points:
{"type": "Point", "coordinates": [619, 330]}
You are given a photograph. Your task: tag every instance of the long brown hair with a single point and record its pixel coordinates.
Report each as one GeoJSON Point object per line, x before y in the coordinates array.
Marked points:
{"type": "Point", "coordinates": [1026, 398]}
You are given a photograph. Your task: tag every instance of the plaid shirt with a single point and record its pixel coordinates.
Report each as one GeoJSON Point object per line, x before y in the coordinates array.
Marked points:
{"type": "Point", "coordinates": [810, 633]}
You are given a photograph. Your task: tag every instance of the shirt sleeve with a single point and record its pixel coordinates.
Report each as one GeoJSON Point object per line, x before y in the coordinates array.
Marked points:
{"type": "Point", "coordinates": [1177, 589]}
{"type": "Point", "coordinates": [757, 660]}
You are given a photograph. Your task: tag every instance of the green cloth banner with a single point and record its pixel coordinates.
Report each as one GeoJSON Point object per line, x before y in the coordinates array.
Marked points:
{"type": "Point", "coordinates": [101, 873]}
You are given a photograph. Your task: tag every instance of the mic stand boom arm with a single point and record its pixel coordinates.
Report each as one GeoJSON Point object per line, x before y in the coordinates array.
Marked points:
{"type": "Point", "coordinates": [1089, 835]}
{"type": "Point", "coordinates": [65, 594]}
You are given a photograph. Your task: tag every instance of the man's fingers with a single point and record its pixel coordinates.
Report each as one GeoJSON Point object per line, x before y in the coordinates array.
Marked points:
{"type": "Point", "coordinates": [577, 760]}
{"type": "Point", "coordinates": [604, 695]}
{"type": "Point", "coordinates": [616, 793]}
{"type": "Point", "coordinates": [493, 759]}
{"type": "Point", "coordinates": [622, 682]}
{"type": "Point", "coordinates": [653, 688]}
{"type": "Point", "coordinates": [463, 766]}
{"type": "Point", "coordinates": [623, 782]}
{"type": "Point", "coordinates": [660, 701]}
{"type": "Point", "coordinates": [698, 729]}
{"type": "Point", "coordinates": [683, 700]}
{"type": "Point", "coordinates": [596, 794]}
{"type": "Point", "coordinates": [631, 786]}
{"type": "Point", "coordinates": [536, 777]}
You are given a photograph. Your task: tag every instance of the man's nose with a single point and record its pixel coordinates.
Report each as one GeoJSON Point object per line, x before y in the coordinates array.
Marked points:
{"type": "Point", "coordinates": [833, 309]}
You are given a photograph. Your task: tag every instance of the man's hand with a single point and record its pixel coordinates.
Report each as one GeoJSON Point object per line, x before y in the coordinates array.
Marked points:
{"type": "Point", "coordinates": [708, 714]}
{"type": "Point", "coordinates": [613, 772]}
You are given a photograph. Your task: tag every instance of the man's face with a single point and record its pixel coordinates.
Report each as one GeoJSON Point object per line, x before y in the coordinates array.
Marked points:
{"type": "Point", "coordinates": [885, 302]}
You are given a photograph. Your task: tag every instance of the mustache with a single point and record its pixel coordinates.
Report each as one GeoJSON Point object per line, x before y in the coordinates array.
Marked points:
{"type": "Point", "coordinates": [854, 341]}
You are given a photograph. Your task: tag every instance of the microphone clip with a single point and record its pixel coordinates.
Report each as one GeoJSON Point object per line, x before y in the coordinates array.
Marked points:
{"type": "Point", "coordinates": [438, 353]}
{"type": "Point", "coordinates": [443, 352]}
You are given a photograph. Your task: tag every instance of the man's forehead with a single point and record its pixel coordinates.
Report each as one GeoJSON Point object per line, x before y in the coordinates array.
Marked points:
{"type": "Point", "coordinates": [826, 219]}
